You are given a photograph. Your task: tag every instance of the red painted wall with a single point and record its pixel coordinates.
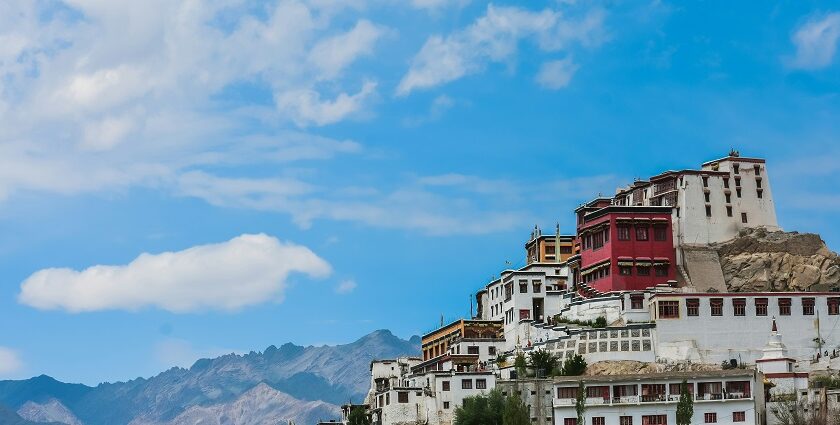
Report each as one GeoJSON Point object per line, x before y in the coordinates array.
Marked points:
{"type": "Point", "coordinates": [614, 248]}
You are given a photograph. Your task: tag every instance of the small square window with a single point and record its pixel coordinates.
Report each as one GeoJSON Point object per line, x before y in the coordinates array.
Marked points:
{"type": "Point", "coordinates": [446, 405]}
{"type": "Point", "coordinates": [710, 418]}
{"type": "Point", "coordinates": [743, 217]}
{"type": "Point", "coordinates": [643, 270]}
{"type": "Point", "coordinates": [625, 270]}
{"type": "Point", "coordinates": [466, 384]}
{"type": "Point", "coordinates": [641, 233]}
{"type": "Point", "coordinates": [716, 305]}
{"type": "Point", "coordinates": [739, 416]}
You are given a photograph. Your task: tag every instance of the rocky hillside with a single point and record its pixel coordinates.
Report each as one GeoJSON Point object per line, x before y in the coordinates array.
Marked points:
{"type": "Point", "coordinates": [290, 382]}
{"type": "Point", "coordinates": [758, 260]}
{"type": "Point", "coordinates": [632, 367]}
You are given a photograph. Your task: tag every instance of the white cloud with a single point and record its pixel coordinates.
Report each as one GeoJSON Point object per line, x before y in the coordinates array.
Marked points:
{"type": "Point", "coordinates": [10, 362]}
{"type": "Point", "coordinates": [345, 286]}
{"type": "Point", "coordinates": [305, 106]}
{"type": "Point", "coordinates": [409, 207]}
{"type": "Point", "coordinates": [334, 54]}
{"type": "Point", "coordinates": [816, 42]}
{"type": "Point", "coordinates": [494, 37]}
{"type": "Point", "coordinates": [556, 74]}
{"type": "Point", "coordinates": [438, 4]}
{"type": "Point", "coordinates": [120, 94]}
{"type": "Point", "coordinates": [246, 270]}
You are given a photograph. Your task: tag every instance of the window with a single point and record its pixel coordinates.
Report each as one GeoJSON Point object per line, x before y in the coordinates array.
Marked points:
{"type": "Point", "coordinates": [641, 233]}
{"type": "Point", "coordinates": [692, 306]}
{"type": "Point", "coordinates": [537, 287]}
{"type": "Point", "coordinates": [738, 191]}
{"type": "Point", "coordinates": [625, 420]}
{"type": "Point", "coordinates": [567, 392]}
{"type": "Point", "coordinates": [654, 420]}
{"type": "Point", "coordinates": [637, 302]}
{"type": "Point", "coordinates": [726, 182]}
{"type": "Point", "coordinates": [834, 306]}
{"type": "Point", "coordinates": [643, 270]}
{"type": "Point", "coordinates": [737, 182]}
{"type": "Point", "coordinates": [523, 288]}
{"type": "Point", "coordinates": [808, 306]}
{"type": "Point", "coordinates": [659, 233]}
{"type": "Point", "coordinates": [728, 211]}
{"type": "Point", "coordinates": [784, 306]}
{"type": "Point", "coordinates": [625, 270]}
{"type": "Point", "coordinates": [446, 405]}
{"type": "Point", "coordinates": [743, 217]}
{"type": "Point", "coordinates": [759, 193]}
{"type": "Point", "coordinates": [669, 309]}
{"type": "Point", "coordinates": [402, 397]}
{"type": "Point", "coordinates": [710, 418]}
{"type": "Point", "coordinates": [758, 183]}
{"type": "Point", "coordinates": [624, 233]}
{"type": "Point", "coordinates": [761, 306]}
{"type": "Point", "coordinates": [524, 314]}
{"type": "Point", "coordinates": [708, 210]}
{"type": "Point", "coordinates": [472, 350]}
{"type": "Point", "coordinates": [739, 305]}
{"type": "Point", "coordinates": [736, 168]}
{"type": "Point", "coordinates": [491, 350]}
{"type": "Point", "coordinates": [466, 384]}
{"type": "Point", "coordinates": [570, 421]}
{"type": "Point", "coordinates": [739, 416]}
{"type": "Point", "coordinates": [717, 306]}
{"type": "Point", "coordinates": [598, 420]}
{"type": "Point", "coordinates": [707, 196]}
{"type": "Point", "coordinates": [598, 240]}
{"type": "Point", "coordinates": [728, 198]}
{"type": "Point", "coordinates": [661, 270]}
{"type": "Point", "coordinates": [481, 384]}
{"type": "Point", "coordinates": [705, 181]}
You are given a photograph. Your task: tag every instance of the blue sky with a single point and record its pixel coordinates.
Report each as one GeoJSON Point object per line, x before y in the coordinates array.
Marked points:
{"type": "Point", "coordinates": [185, 179]}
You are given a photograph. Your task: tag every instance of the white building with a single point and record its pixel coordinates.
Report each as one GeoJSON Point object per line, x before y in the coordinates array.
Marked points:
{"type": "Point", "coordinates": [726, 397]}
{"type": "Point", "coordinates": [711, 204]}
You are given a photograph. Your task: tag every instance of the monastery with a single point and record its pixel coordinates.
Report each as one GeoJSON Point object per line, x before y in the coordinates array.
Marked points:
{"type": "Point", "coordinates": [637, 283]}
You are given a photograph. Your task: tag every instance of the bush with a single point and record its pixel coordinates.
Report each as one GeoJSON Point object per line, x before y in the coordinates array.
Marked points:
{"type": "Point", "coordinates": [600, 322]}
{"type": "Point", "coordinates": [574, 366]}
{"type": "Point", "coordinates": [544, 361]}
{"type": "Point", "coordinates": [481, 409]}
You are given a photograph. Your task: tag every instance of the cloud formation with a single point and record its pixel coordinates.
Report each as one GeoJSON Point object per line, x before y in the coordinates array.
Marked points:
{"type": "Point", "coordinates": [556, 74]}
{"type": "Point", "coordinates": [494, 38]}
{"type": "Point", "coordinates": [345, 286]}
{"type": "Point", "coordinates": [246, 270]}
{"type": "Point", "coordinates": [816, 42]}
{"type": "Point", "coordinates": [10, 362]}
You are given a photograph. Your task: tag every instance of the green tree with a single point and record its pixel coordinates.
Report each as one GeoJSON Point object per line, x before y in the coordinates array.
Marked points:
{"type": "Point", "coordinates": [600, 322]}
{"type": "Point", "coordinates": [574, 366]}
{"type": "Point", "coordinates": [685, 407]}
{"type": "Point", "coordinates": [543, 362]}
{"type": "Point", "coordinates": [515, 413]}
{"type": "Point", "coordinates": [358, 416]}
{"type": "Point", "coordinates": [481, 409]}
{"type": "Point", "coordinates": [580, 403]}
{"type": "Point", "coordinates": [520, 365]}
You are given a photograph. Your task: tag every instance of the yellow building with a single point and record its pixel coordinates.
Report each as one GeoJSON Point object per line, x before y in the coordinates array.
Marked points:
{"type": "Point", "coordinates": [437, 342]}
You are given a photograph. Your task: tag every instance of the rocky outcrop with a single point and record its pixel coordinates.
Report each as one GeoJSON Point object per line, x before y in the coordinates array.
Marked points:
{"type": "Point", "coordinates": [51, 411]}
{"type": "Point", "coordinates": [760, 260]}
{"type": "Point", "coordinates": [632, 367]}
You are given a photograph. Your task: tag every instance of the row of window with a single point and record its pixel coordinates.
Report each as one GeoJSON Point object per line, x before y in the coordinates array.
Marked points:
{"type": "Point", "coordinates": [709, 418]}
{"type": "Point", "coordinates": [466, 384]}
{"type": "Point", "coordinates": [597, 239]}
{"type": "Point", "coordinates": [671, 309]}
{"type": "Point", "coordinates": [660, 270]}
{"type": "Point", "coordinates": [728, 213]}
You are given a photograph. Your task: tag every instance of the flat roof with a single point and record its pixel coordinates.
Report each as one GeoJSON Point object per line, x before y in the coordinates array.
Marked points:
{"type": "Point", "coordinates": [729, 373]}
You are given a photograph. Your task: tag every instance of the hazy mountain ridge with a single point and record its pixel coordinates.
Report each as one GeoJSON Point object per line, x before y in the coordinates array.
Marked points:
{"type": "Point", "coordinates": [295, 375]}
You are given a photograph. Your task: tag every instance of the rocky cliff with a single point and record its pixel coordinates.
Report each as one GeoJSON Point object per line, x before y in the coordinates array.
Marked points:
{"type": "Point", "coordinates": [759, 260]}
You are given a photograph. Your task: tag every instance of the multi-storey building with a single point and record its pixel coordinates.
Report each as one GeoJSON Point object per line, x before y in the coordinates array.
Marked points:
{"type": "Point", "coordinates": [711, 204]}
{"type": "Point", "coordinates": [623, 248]}
{"type": "Point", "coordinates": [724, 396]}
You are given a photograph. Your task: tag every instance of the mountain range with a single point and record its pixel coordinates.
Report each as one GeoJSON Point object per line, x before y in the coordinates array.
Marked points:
{"type": "Point", "coordinates": [304, 384]}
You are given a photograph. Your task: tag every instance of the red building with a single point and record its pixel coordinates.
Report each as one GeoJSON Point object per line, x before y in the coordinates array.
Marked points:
{"type": "Point", "coordinates": [622, 248]}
